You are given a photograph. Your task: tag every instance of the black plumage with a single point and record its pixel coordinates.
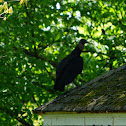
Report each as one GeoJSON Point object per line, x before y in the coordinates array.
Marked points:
{"type": "Point", "coordinates": [103, 31]}
{"type": "Point", "coordinates": [69, 67]}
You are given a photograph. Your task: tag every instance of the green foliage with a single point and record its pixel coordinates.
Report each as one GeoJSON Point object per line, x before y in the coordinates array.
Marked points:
{"type": "Point", "coordinates": [37, 36]}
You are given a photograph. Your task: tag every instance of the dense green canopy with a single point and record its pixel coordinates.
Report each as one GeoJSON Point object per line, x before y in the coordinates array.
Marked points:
{"type": "Point", "coordinates": [38, 35]}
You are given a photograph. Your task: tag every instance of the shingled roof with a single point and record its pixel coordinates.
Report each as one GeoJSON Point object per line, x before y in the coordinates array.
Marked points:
{"type": "Point", "coordinates": [106, 93]}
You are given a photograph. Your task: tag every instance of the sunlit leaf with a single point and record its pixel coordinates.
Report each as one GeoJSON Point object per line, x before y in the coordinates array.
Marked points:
{"type": "Point", "coordinates": [1, 8]}
{"type": "Point", "coordinates": [5, 6]}
{"type": "Point", "coordinates": [1, 1]}
{"type": "Point", "coordinates": [10, 10]}
{"type": "Point", "coordinates": [26, 1]}
{"type": "Point", "coordinates": [4, 18]}
{"type": "Point", "coordinates": [21, 2]}
{"type": "Point", "coordinates": [57, 37]}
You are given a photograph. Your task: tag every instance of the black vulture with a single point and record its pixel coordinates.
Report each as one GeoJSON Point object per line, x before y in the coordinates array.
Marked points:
{"type": "Point", "coordinates": [69, 67]}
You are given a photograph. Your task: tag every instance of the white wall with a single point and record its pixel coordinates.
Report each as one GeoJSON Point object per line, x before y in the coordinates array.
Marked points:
{"type": "Point", "coordinates": [105, 119]}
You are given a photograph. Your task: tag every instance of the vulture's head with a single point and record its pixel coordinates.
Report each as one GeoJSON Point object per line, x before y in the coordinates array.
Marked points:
{"type": "Point", "coordinates": [81, 43]}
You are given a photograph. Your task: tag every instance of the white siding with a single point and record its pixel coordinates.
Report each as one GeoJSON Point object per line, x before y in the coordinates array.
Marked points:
{"type": "Point", "coordinates": [63, 121]}
{"type": "Point", "coordinates": [120, 121]}
{"type": "Point", "coordinates": [68, 121]}
{"type": "Point", "coordinates": [87, 119]}
{"type": "Point", "coordinates": [99, 121]}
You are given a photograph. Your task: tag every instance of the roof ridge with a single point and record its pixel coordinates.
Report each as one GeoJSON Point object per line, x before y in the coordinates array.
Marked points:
{"type": "Point", "coordinates": [107, 74]}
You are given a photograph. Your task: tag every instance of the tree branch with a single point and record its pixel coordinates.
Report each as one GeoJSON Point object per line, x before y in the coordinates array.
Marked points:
{"type": "Point", "coordinates": [40, 57]}
{"type": "Point", "coordinates": [23, 121]}
{"type": "Point", "coordinates": [33, 97]}
{"type": "Point", "coordinates": [12, 1]}
{"type": "Point", "coordinates": [50, 74]}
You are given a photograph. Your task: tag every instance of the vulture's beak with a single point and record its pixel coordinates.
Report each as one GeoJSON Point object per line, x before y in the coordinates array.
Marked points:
{"type": "Point", "coordinates": [86, 42]}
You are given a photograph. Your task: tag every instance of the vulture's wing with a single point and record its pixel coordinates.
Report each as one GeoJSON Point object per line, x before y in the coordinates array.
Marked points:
{"type": "Point", "coordinates": [69, 72]}
{"type": "Point", "coordinates": [74, 68]}
{"type": "Point", "coordinates": [63, 63]}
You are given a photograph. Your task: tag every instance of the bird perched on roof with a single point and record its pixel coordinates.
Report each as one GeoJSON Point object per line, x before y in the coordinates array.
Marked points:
{"type": "Point", "coordinates": [69, 67]}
